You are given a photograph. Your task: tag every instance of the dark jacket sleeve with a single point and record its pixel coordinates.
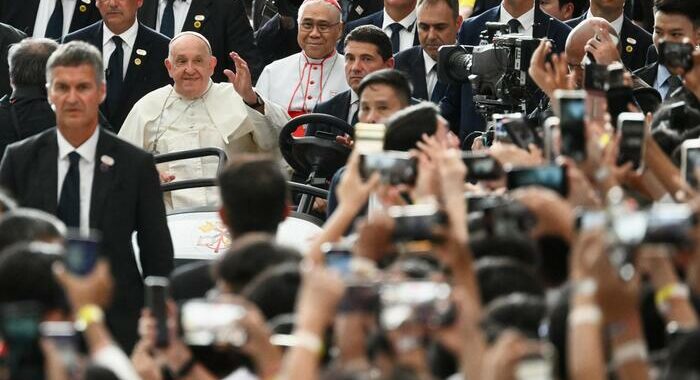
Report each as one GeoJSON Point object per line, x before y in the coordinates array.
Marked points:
{"type": "Point", "coordinates": [239, 38]}
{"type": "Point", "coordinates": [7, 181]}
{"type": "Point", "coordinates": [153, 235]}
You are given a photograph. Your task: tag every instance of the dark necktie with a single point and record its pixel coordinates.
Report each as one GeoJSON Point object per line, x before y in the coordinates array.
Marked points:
{"type": "Point", "coordinates": [514, 25]}
{"type": "Point", "coordinates": [354, 119]}
{"type": "Point", "coordinates": [167, 23]}
{"type": "Point", "coordinates": [396, 29]}
{"type": "Point", "coordinates": [115, 76]}
{"type": "Point", "coordinates": [54, 29]}
{"type": "Point", "coordinates": [68, 209]}
{"type": "Point", "coordinates": [674, 82]}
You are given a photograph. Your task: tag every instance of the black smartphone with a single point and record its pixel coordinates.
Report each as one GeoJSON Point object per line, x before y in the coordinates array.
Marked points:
{"type": "Point", "coordinates": [82, 251]}
{"type": "Point", "coordinates": [416, 222]}
{"type": "Point", "coordinates": [632, 131]}
{"type": "Point", "coordinates": [572, 109]}
{"type": "Point", "coordinates": [481, 166]}
{"type": "Point", "coordinates": [393, 167]}
{"type": "Point", "coordinates": [156, 295]}
{"type": "Point", "coordinates": [676, 55]}
{"type": "Point", "coordinates": [551, 176]}
{"type": "Point", "coordinates": [520, 133]}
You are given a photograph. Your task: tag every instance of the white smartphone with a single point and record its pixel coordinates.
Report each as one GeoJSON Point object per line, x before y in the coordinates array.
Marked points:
{"type": "Point", "coordinates": [690, 162]}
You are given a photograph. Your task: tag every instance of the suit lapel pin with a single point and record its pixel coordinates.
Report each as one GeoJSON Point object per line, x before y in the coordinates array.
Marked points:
{"type": "Point", "coordinates": [106, 162]}
{"type": "Point", "coordinates": [137, 61]}
{"type": "Point", "coordinates": [198, 21]}
{"type": "Point", "coordinates": [631, 41]}
{"type": "Point", "coordinates": [141, 52]}
{"type": "Point", "coordinates": [86, 1]}
{"type": "Point", "coordinates": [82, 8]}
{"type": "Point", "coordinates": [629, 48]}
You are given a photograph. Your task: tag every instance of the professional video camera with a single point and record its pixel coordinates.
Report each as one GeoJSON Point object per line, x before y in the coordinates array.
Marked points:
{"type": "Point", "coordinates": [497, 69]}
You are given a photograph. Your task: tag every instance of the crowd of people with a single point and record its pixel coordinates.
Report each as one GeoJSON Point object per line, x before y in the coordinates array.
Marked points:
{"type": "Point", "coordinates": [512, 189]}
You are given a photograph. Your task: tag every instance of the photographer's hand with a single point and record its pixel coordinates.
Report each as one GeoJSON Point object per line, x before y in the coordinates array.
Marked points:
{"type": "Point", "coordinates": [603, 48]}
{"type": "Point", "coordinates": [549, 76]}
{"type": "Point", "coordinates": [554, 214]}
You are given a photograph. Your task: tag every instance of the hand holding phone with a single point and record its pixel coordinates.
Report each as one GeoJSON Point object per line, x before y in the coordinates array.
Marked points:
{"type": "Point", "coordinates": [156, 295]}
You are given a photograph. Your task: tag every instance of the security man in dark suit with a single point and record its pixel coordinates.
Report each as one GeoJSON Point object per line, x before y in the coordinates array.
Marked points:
{"type": "Point", "coordinates": [91, 179]}
{"type": "Point", "coordinates": [634, 41]}
{"type": "Point", "coordinates": [367, 49]}
{"type": "Point", "coordinates": [26, 111]}
{"type": "Point", "coordinates": [224, 23]}
{"type": "Point", "coordinates": [674, 21]}
{"type": "Point", "coordinates": [523, 17]}
{"type": "Point", "coordinates": [45, 18]}
{"type": "Point", "coordinates": [8, 36]}
{"type": "Point", "coordinates": [438, 23]}
{"type": "Point", "coordinates": [132, 53]}
{"type": "Point", "coordinates": [397, 20]}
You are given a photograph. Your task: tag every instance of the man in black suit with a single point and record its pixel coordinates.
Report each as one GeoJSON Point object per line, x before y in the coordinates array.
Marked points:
{"type": "Point", "coordinates": [634, 41]}
{"type": "Point", "coordinates": [8, 36]}
{"type": "Point", "coordinates": [26, 111]}
{"type": "Point", "coordinates": [438, 23]}
{"type": "Point", "coordinates": [223, 22]}
{"type": "Point", "coordinates": [457, 106]}
{"type": "Point", "coordinates": [42, 18]}
{"type": "Point", "coordinates": [674, 21]}
{"type": "Point", "coordinates": [90, 178]}
{"type": "Point", "coordinates": [367, 49]}
{"type": "Point", "coordinates": [132, 53]}
{"type": "Point", "coordinates": [397, 20]}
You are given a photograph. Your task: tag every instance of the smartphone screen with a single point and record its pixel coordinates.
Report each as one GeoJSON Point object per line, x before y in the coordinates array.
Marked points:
{"type": "Point", "coordinates": [339, 260]}
{"type": "Point", "coordinates": [82, 251]}
{"type": "Point", "coordinates": [481, 167]}
{"type": "Point", "coordinates": [692, 166]}
{"type": "Point", "coordinates": [631, 140]}
{"type": "Point", "coordinates": [572, 127]}
{"type": "Point", "coordinates": [156, 294]}
{"type": "Point", "coordinates": [551, 177]}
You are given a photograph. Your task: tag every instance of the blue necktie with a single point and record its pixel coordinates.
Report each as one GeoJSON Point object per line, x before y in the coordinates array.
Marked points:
{"type": "Point", "coordinates": [674, 83]}
{"type": "Point", "coordinates": [167, 23]}
{"type": "Point", "coordinates": [514, 25]}
{"type": "Point", "coordinates": [396, 28]}
{"type": "Point", "coordinates": [54, 29]}
{"type": "Point", "coordinates": [115, 76]}
{"type": "Point", "coordinates": [68, 209]}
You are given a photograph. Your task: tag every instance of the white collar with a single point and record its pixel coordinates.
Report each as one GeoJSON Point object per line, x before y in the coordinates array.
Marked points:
{"type": "Point", "coordinates": [662, 75]}
{"type": "Point", "coordinates": [408, 22]}
{"type": "Point", "coordinates": [429, 62]}
{"type": "Point", "coordinates": [354, 98]}
{"type": "Point", "coordinates": [527, 19]}
{"type": "Point", "coordinates": [129, 35]}
{"type": "Point", "coordinates": [87, 150]}
{"type": "Point", "coordinates": [317, 61]}
{"type": "Point", "coordinates": [617, 24]}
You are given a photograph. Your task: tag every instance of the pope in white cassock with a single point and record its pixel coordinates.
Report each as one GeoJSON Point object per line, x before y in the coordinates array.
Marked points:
{"type": "Point", "coordinates": [316, 74]}
{"type": "Point", "coordinates": [198, 113]}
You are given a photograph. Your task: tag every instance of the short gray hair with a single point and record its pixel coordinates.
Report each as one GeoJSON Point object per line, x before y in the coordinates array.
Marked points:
{"type": "Point", "coordinates": [74, 54]}
{"type": "Point", "coordinates": [328, 4]}
{"type": "Point", "coordinates": [27, 61]}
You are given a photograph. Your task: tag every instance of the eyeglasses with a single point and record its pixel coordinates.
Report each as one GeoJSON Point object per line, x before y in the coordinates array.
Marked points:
{"type": "Point", "coordinates": [323, 27]}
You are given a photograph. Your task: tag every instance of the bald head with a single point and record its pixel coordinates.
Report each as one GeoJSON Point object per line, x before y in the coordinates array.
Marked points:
{"type": "Point", "coordinates": [579, 36]}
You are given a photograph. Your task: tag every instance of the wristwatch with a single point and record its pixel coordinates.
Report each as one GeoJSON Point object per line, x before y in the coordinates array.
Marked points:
{"type": "Point", "coordinates": [88, 315]}
{"type": "Point", "coordinates": [258, 102]}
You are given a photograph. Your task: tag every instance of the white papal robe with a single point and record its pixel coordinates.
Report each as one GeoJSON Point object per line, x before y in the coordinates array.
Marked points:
{"type": "Point", "coordinates": [164, 122]}
{"type": "Point", "coordinates": [297, 83]}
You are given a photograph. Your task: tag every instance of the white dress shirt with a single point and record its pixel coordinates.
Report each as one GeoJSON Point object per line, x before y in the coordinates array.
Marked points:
{"type": "Point", "coordinates": [87, 153]}
{"type": "Point", "coordinates": [431, 78]}
{"type": "Point", "coordinates": [354, 106]}
{"type": "Point", "coordinates": [180, 9]}
{"type": "Point", "coordinates": [128, 41]}
{"type": "Point", "coordinates": [44, 12]}
{"type": "Point", "coordinates": [527, 20]}
{"type": "Point", "coordinates": [407, 34]}
{"type": "Point", "coordinates": [617, 24]}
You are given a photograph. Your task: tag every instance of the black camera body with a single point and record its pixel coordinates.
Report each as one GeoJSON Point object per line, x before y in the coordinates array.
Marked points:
{"type": "Point", "coordinates": [676, 55]}
{"type": "Point", "coordinates": [497, 69]}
